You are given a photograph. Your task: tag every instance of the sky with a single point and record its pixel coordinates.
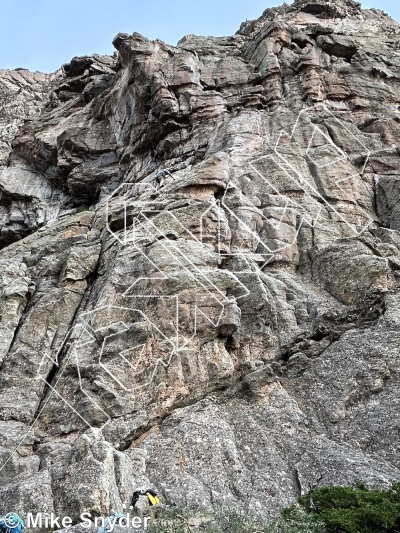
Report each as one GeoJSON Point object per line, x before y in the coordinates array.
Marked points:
{"type": "Point", "coordinates": [43, 34]}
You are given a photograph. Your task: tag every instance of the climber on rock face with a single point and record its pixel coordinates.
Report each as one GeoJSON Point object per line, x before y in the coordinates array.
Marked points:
{"type": "Point", "coordinates": [160, 177]}
{"type": "Point", "coordinates": [149, 496]}
{"type": "Point", "coordinates": [145, 501]}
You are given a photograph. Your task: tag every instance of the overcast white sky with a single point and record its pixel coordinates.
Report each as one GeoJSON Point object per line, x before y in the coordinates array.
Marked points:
{"type": "Point", "coordinates": [44, 34]}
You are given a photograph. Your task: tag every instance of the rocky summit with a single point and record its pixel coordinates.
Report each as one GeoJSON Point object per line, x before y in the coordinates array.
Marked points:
{"type": "Point", "coordinates": [233, 335]}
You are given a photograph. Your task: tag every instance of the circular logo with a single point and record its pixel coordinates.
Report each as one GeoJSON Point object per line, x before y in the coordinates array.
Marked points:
{"type": "Point", "coordinates": [12, 520]}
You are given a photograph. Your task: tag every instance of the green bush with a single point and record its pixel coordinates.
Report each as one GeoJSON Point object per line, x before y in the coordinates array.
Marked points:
{"type": "Point", "coordinates": [353, 509]}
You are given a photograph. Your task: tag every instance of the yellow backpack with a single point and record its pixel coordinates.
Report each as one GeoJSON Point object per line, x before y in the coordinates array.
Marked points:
{"type": "Point", "coordinates": [153, 498]}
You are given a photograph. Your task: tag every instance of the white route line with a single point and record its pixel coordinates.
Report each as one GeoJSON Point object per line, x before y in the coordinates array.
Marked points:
{"type": "Point", "coordinates": [33, 423]}
{"type": "Point", "coordinates": [86, 329]}
{"type": "Point", "coordinates": [300, 181]}
{"type": "Point", "coordinates": [179, 347]}
{"type": "Point", "coordinates": [174, 349]}
{"type": "Point", "coordinates": [199, 272]}
{"type": "Point", "coordinates": [366, 151]}
{"type": "Point", "coordinates": [343, 154]}
{"type": "Point", "coordinates": [270, 253]}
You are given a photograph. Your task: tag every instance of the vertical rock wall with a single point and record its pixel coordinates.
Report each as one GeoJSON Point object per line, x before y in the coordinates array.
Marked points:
{"type": "Point", "coordinates": [235, 334]}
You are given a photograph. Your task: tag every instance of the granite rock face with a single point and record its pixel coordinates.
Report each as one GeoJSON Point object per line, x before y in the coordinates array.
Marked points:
{"type": "Point", "coordinates": [26, 199]}
{"type": "Point", "coordinates": [22, 94]}
{"type": "Point", "coordinates": [234, 335]}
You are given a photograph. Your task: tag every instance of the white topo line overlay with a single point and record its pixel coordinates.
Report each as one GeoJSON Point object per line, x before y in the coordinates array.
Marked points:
{"type": "Point", "coordinates": [142, 228]}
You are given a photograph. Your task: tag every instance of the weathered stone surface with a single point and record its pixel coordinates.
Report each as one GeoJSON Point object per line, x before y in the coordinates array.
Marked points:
{"type": "Point", "coordinates": [30, 495]}
{"type": "Point", "coordinates": [235, 333]}
{"type": "Point", "coordinates": [27, 202]}
{"type": "Point", "coordinates": [22, 95]}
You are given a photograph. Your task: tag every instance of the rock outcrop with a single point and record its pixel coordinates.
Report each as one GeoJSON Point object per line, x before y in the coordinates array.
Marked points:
{"type": "Point", "coordinates": [234, 335]}
{"type": "Point", "coordinates": [22, 95]}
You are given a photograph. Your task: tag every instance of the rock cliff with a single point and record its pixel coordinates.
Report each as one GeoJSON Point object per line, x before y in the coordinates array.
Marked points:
{"type": "Point", "coordinates": [234, 335]}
